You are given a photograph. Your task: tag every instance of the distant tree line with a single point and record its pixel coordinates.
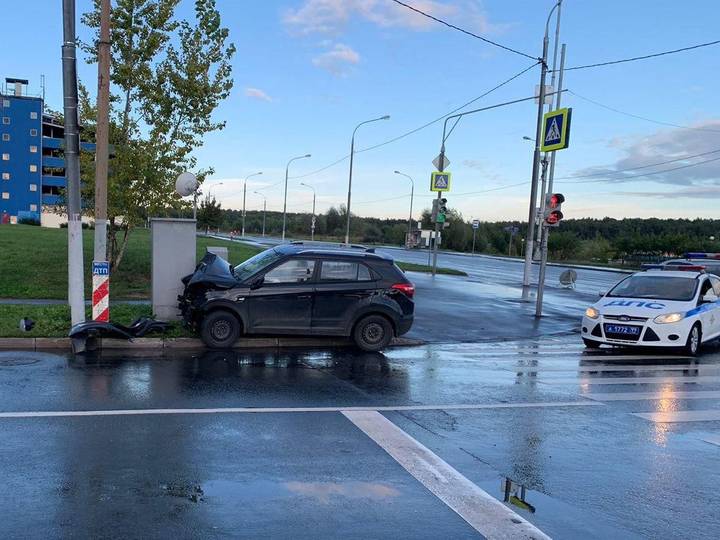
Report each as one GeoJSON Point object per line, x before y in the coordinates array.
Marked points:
{"type": "Point", "coordinates": [628, 241]}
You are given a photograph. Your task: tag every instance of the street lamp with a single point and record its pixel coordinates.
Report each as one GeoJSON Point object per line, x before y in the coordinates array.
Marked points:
{"type": "Point", "coordinates": [352, 153]}
{"type": "Point", "coordinates": [242, 234]}
{"type": "Point", "coordinates": [210, 188]}
{"type": "Point", "coordinates": [312, 223]}
{"type": "Point", "coordinates": [412, 193]}
{"type": "Point", "coordinates": [287, 167]}
{"type": "Point", "coordinates": [264, 210]}
{"type": "Point", "coordinates": [526, 138]}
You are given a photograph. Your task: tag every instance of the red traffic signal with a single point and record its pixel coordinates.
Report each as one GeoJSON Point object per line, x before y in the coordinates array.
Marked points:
{"type": "Point", "coordinates": [553, 203]}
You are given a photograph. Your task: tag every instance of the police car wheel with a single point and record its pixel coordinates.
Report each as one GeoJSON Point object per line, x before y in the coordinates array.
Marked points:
{"type": "Point", "coordinates": [692, 345]}
{"type": "Point", "coordinates": [590, 344]}
{"type": "Point", "coordinates": [219, 329]}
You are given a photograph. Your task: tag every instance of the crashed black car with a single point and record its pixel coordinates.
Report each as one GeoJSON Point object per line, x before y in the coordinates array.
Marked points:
{"type": "Point", "coordinates": [299, 289]}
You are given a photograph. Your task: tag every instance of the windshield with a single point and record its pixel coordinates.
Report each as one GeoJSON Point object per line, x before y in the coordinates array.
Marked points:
{"type": "Point", "coordinates": [656, 287]}
{"type": "Point", "coordinates": [256, 263]}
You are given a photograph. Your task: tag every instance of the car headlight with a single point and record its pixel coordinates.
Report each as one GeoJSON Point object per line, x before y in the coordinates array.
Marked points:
{"type": "Point", "coordinates": [669, 318]}
{"type": "Point", "coordinates": [592, 313]}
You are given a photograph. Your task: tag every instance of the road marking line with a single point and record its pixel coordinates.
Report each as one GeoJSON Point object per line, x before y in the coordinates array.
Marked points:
{"type": "Point", "coordinates": [228, 410]}
{"type": "Point", "coordinates": [639, 396]}
{"type": "Point", "coordinates": [479, 509]}
{"type": "Point", "coordinates": [635, 380]}
{"type": "Point", "coordinates": [680, 416]}
{"type": "Point", "coordinates": [592, 369]}
{"type": "Point", "coordinates": [712, 439]}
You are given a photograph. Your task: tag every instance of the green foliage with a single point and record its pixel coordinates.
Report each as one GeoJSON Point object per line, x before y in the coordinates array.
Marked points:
{"type": "Point", "coordinates": [168, 77]}
{"type": "Point", "coordinates": [209, 214]}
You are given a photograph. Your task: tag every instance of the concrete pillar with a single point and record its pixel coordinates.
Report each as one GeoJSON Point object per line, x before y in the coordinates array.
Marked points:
{"type": "Point", "coordinates": [173, 257]}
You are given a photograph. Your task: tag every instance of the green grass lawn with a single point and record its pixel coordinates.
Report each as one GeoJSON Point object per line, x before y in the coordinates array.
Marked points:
{"type": "Point", "coordinates": [33, 262]}
{"type": "Point", "coordinates": [54, 320]}
{"type": "Point", "coordinates": [412, 267]}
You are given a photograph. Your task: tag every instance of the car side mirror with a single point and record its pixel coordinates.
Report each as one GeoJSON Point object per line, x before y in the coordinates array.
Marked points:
{"type": "Point", "coordinates": [709, 298]}
{"type": "Point", "coordinates": [257, 283]}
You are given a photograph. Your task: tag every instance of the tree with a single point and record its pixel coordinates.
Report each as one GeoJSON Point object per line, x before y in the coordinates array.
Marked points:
{"type": "Point", "coordinates": [210, 214]}
{"type": "Point", "coordinates": [168, 77]}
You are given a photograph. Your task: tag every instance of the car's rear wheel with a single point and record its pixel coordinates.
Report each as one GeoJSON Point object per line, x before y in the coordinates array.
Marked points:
{"type": "Point", "coordinates": [694, 340]}
{"type": "Point", "coordinates": [220, 329]}
{"type": "Point", "coordinates": [373, 333]}
{"type": "Point", "coordinates": [590, 344]}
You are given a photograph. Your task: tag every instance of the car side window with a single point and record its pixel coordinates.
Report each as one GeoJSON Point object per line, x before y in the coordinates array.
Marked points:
{"type": "Point", "coordinates": [344, 271]}
{"type": "Point", "coordinates": [715, 285]}
{"type": "Point", "coordinates": [292, 271]}
{"type": "Point", "coordinates": [704, 288]}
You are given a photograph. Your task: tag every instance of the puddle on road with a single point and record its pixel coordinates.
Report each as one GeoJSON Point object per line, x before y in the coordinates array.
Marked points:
{"type": "Point", "coordinates": [322, 492]}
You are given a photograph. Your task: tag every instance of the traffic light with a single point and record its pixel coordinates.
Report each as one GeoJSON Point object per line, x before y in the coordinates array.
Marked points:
{"type": "Point", "coordinates": [553, 205]}
{"type": "Point", "coordinates": [442, 210]}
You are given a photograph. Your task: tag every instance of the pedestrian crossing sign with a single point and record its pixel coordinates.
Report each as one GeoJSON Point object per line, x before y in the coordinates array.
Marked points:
{"type": "Point", "coordinates": [440, 181]}
{"type": "Point", "coordinates": [556, 130]}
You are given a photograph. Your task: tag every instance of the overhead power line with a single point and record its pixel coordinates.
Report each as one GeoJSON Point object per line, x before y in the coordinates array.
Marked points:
{"type": "Point", "coordinates": [644, 57]}
{"type": "Point", "coordinates": [420, 128]}
{"type": "Point", "coordinates": [631, 115]}
{"type": "Point", "coordinates": [449, 25]}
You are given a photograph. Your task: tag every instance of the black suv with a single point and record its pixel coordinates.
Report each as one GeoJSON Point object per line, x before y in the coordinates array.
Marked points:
{"type": "Point", "coordinates": [303, 290]}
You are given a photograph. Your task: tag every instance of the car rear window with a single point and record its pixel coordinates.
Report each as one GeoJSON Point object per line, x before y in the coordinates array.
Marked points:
{"type": "Point", "coordinates": [344, 271]}
{"type": "Point", "coordinates": [656, 287]}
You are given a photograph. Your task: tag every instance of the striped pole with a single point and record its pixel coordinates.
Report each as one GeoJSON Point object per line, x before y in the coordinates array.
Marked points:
{"type": "Point", "coordinates": [101, 291]}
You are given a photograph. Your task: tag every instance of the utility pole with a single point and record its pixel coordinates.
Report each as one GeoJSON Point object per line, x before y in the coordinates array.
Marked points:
{"type": "Point", "coordinates": [264, 209]}
{"type": "Point", "coordinates": [102, 134]}
{"type": "Point", "coordinates": [287, 168]}
{"type": "Point", "coordinates": [242, 234]}
{"type": "Point", "coordinates": [529, 248]}
{"type": "Point", "coordinates": [76, 279]}
{"type": "Point", "coordinates": [544, 243]}
{"type": "Point", "coordinates": [312, 220]}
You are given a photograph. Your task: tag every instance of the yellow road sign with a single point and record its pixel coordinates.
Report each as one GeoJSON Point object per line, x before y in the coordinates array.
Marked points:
{"type": "Point", "coordinates": [556, 130]}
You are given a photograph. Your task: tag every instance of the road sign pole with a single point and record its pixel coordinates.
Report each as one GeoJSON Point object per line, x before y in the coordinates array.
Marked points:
{"type": "Point", "coordinates": [435, 245]}
{"type": "Point", "coordinates": [541, 276]}
{"type": "Point", "coordinates": [527, 270]}
{"type": "Point", "coordinates": [473, 246]}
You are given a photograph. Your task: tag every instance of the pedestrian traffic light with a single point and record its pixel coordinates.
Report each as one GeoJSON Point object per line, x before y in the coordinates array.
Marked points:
{"type": "Point", "coordinates": [553, 214]}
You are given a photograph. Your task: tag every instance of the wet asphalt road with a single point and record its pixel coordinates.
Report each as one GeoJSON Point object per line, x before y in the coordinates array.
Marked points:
{"type": "Point", "coordinates": [86, 452]}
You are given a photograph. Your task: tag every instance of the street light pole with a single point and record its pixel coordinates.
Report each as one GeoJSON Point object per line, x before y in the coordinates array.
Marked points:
{"type": "Point", "coordinates": [264, 209]}
{"type": "Point", "coordinates": [287, 168]}
{"type": "Point", "coordinates": [242, 234]}
{"type": "Point", "coordinates": [312, 222]}
{"type": "Point", "coordinates": [352, 153]}
{"type": "Point", "coordinates": [527, 271]}
{"type": "Point", "coordinates": [412, 194]}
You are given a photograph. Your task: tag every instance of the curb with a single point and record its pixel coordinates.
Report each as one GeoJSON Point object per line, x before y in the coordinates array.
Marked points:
{"type": "Point", "coordinates": [64, 344]}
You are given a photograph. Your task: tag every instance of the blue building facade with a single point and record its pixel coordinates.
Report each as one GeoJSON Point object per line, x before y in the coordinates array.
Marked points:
{"type": "Point", "coordinates": [32, 163]}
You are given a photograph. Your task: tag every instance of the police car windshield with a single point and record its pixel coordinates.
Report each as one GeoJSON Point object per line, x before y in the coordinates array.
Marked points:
{"type": "Point", "coordinates": [656, 287]}
{"type": "Point", "coordinates": [254, 264]}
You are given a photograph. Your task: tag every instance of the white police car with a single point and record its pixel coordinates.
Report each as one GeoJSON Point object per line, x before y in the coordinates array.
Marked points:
{"type": "Point", "coordinates": [657, 308]}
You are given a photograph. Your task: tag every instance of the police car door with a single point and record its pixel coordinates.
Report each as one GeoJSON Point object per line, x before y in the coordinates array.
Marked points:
{"type": "Point", "coordinates": [714, 319]}
{"type": "Point", "coordinates": [708, 312]}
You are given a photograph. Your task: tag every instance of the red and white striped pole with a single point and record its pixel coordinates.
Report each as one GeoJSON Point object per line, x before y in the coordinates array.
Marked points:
{"type": "Point", "coordinates": [101, 291]}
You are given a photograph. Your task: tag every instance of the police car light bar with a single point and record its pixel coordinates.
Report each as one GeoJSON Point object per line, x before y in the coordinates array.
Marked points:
{"type": "Point", "coordinates": [701, 255]}
{"type": "Point", "coordinates": [688, 268]}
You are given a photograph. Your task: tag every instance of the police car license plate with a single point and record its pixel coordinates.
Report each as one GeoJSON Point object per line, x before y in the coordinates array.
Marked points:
{"type": "Point", "coordinates": [619, 329]}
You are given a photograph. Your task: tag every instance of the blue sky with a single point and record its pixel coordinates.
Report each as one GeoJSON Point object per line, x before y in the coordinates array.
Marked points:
{"type": "Point", "coordinates": [307, 71]}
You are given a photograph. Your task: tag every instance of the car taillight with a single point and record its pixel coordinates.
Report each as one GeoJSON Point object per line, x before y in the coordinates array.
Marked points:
{"type": "Point", "coordinates": [406, 288]}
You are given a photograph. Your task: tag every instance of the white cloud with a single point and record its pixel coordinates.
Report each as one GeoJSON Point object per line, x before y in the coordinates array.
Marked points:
{"type": "Point", "coordinates": [256, 93]}
{"type": "Point", "coordinates": [676, 145]}
{"type": "Point", "coordinates": [331, 16]}
{"type": "Point", "coordinates": [337, 60]}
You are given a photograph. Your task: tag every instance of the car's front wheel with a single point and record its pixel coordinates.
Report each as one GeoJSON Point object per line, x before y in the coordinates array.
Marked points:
{"type": "Point", "coordinates": [373, 333]}
{"type": "Point", "coordinates": [694, 340]}
{"type": "Point", "coordinates": [220, 329]}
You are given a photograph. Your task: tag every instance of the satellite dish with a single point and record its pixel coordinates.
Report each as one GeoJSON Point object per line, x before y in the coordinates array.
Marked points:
{"type": "Point", "coordinates": [568, 278]}
{"type": "Point", "coordinates": [186, 184]}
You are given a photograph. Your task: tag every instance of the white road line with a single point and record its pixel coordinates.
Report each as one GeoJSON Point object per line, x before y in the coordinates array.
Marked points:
{"type": "Point", "coordinates": [712, 439]}
{"type": "Point", "coordinates": [639, 396]}
{"type": "Point", "coordinates": [601, 369]}
{"type": "Point", "coordinates": [243, 410]}
{"type": "Point", "coordinates": [635, 380]}
{"type": "Point", "coordinates": [481, 511]}
{"type": "Point", "coordinates": [680, 416]}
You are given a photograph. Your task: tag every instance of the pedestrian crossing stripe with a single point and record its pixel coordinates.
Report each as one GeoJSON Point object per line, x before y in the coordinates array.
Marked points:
{"type": "Point", "coordinates": [556, 130]}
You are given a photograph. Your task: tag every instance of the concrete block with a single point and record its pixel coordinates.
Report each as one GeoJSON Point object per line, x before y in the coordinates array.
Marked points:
{"type": "Point", "coordinates": [52, 343]}
{"type": "Point", "coordinates": [183, 343]}
{"type": "Point", "coordinates": [173, 257]}
{"type": "Point", "coordinates": [138, 343]}
{"type": "Point", "coordinates": [221, 252]}
{"type": "Point", "coordinates": [20, 344]}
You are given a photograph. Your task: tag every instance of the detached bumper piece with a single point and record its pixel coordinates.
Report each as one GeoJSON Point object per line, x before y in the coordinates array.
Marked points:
{"type": "Point", "coordinates": [84, 335]}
